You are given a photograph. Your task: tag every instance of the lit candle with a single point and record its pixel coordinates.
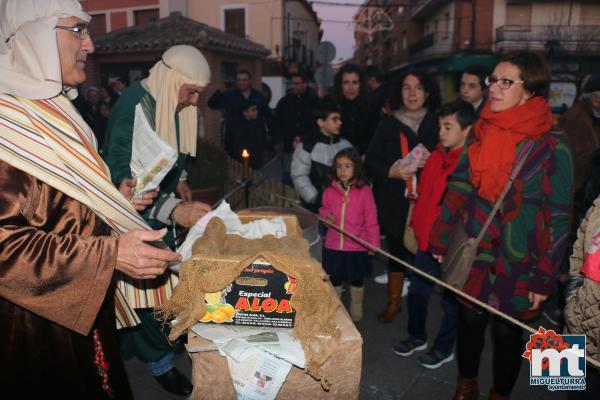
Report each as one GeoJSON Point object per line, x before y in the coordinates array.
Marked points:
{"type": "Point", "coordinates": [246, 159]}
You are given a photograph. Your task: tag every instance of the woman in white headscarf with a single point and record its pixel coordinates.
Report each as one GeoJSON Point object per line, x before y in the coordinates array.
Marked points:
{"type": "Point", "coordinates": [59, 216]}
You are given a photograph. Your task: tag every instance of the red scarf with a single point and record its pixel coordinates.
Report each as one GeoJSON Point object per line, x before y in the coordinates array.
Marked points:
{"type": "Point", "coordinates": [492, 155]}
{"type": "Point", "coordinates": [432, 185]}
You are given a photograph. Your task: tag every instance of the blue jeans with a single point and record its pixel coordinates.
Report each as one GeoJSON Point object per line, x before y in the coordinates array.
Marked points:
{"type": "Point", "coordinates": [161, 366]}
{"type": "Point", "coordinates": [418, 298]}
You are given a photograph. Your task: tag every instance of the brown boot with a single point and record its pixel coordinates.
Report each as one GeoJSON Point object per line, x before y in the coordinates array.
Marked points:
{"type": "Point", "coordinates": [356, 303]}
{"type": "Point", "coordinates": [395, 283]}
{"type": "Point", "coordinates": [467, 389]}
{"type": "Point", "coordinates": [496, 396]}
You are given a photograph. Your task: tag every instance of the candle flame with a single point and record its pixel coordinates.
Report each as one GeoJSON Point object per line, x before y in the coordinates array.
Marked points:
{"type": "Point", "coordinates": [245, 153]}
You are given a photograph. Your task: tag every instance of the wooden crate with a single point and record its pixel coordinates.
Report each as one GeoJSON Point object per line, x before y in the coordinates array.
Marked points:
{"type": "Point", "coordinates": [211, 379]}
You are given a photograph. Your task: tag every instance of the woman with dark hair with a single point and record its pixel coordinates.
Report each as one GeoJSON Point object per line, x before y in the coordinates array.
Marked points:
{"type": "Point", "coordinates": [350, 93]}
{"type": "Point", "coordinates": [414, 101]}
{"type": "Point", "coordinates": [515, 268]}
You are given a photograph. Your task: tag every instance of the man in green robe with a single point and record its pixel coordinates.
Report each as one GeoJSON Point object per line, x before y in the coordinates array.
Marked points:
{"type": "Point", "coordinates": [169, 98]}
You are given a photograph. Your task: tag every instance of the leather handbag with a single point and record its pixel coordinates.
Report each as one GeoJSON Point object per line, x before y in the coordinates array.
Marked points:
{"type": "Point", "coordinates": [409, 238]}
{"type": "Point", "coordinates": [462, 248]}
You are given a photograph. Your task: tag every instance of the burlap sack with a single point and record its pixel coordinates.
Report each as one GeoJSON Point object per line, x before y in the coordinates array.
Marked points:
{"type": "Point", "coordinates": [219, 259]}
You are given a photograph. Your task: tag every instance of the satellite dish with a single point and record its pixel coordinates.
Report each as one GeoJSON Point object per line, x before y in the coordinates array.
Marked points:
{"type": "Point", "coordinates": [325, 53]}
{"type": "Point", "coordinates": [324, 76]}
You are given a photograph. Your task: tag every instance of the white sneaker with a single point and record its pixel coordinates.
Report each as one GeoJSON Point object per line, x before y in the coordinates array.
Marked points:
{"type": "Point", "coordinates": [381, 279]}
{"type": "Point", "coordinates": [405, 287]}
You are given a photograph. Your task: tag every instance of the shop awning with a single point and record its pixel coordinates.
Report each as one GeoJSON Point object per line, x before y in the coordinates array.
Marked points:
{"type": "Point", "coordinates": [460, 61]}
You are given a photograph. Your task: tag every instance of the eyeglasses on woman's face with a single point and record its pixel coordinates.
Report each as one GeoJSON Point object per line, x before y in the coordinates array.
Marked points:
{"type": "Point", "coordinates": [80, 29]}
{"type": "Point", "coordinates": [503, 83]}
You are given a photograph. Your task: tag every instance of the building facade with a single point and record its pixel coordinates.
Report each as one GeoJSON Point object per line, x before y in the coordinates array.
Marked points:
{"type": "Point", "coordinates": [444, 36]}
{"type": "Point", "coordinates": [290, 30]}
{"type": "Point", "coordinates": [386, 49]}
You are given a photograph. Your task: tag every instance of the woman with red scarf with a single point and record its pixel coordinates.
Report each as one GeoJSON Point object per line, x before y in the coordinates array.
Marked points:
{"type": "Point", "coordinates": [516, 264]}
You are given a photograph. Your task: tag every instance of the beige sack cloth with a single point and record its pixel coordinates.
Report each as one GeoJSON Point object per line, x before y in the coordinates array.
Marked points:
{"type": "Point", "coordinates": [220, 258]}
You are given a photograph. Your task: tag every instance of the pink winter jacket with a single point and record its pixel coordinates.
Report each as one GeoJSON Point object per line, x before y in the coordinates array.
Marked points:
{"type": "Point", "coordinates": [354, 211]}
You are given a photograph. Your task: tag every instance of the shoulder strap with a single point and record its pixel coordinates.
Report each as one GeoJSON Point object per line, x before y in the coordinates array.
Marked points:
{"type": "Point", "coordinates": [403, 145]}
{"type": "Point", "coordinates": [411, 184]}
{"type": "Point", "coordinates": [521, 160]}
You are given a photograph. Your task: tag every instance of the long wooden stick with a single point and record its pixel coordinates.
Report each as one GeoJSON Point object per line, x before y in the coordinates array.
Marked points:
{"type": "Point", "coordinates": [427, 276]}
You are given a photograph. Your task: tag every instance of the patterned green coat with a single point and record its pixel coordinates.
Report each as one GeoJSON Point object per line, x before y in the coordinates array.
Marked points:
{"type": "Point", "coordinates": [527, 239]}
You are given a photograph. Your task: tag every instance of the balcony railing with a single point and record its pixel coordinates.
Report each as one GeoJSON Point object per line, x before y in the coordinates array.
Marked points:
{"type": "Point", "coordinates": [568, 38]}
{"type": "Point", "coordinates": [432, 45]}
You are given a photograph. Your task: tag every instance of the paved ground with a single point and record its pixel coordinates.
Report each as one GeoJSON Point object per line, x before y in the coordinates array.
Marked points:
{"type": "Point", "coordinates": [388, 376]}
{"type": "Point", "coordinates": [385, 376]}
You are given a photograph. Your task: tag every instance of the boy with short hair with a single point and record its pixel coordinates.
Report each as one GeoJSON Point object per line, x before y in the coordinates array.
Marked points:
{"type": "Point", "coordinates": [311, 162]}
{"type": "Point", "coordinates": [456, 119]}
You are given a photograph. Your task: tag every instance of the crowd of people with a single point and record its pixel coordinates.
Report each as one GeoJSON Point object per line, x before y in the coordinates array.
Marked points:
{"type": "Point", "coordinates": [468, 150]}
{"type": "Point", "coordinates": [380, 160]}
{"type": "Point", "coordinates": [95, 105]}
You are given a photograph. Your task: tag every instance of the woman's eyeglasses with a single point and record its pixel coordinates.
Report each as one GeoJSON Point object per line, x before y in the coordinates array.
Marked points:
{"type": "Point", "coordinates": [503, 83]}
{"type": "Point", "coordinates": [81, 30]}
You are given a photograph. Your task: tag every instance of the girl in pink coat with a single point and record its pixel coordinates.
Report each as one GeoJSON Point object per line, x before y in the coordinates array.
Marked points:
{"type": "Point", "coordinates": [348, 203]}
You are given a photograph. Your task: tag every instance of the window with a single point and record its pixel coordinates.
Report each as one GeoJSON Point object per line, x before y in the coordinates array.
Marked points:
{"type": "Point", "coordinates": [446, 25]}
{"type": "Point", "coordinates": [235, 21]}
{"type": "Point", "coordinates": [518, 14]}
{"type": "Point", "coordinates": [590, 14]}
{"type": "Point", "coordinates": [143, 17]}
{"type": "Point", "coordinates": [97, 25]}
{"type": "Point", "coordinates": [228, 71]}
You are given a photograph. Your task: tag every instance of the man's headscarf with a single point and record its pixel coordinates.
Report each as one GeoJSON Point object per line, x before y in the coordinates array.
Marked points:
{"type": "Point", "coordinates": [179, 65]}
{"type": "Point", "coordinates": [29, 60]}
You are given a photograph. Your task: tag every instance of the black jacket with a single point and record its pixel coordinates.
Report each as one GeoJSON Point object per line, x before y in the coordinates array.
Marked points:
{"type": "Point", "coordinates": [252, 136]}
{"type": "Point", "coordinates": [355, 124]}
{"type": "Point", "coordinates": [378, 97]}
{"type": "Point", "coordinates": [232, 102]}
{"type": "Point", "coordinates": [384, 150]}
{"type": "Point", "coordinates": [294, 117]}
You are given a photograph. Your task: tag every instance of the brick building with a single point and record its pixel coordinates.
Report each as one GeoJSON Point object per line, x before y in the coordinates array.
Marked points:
{"type": "Point", "coordinates": [132, 51]}
{"type": "Point", "coordinates": [444, 36]}
{"type": "Point", "coordinates": [289, 29]}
